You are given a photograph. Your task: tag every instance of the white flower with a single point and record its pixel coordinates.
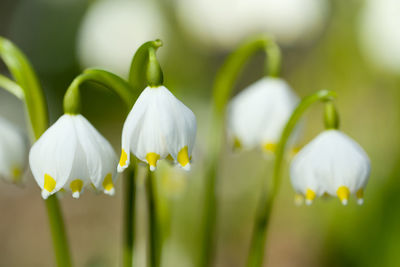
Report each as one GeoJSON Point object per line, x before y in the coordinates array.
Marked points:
{"type": "Point", "coordinates": [379, 33]}
{"type": "Point", "coordinates": [13, 152]}
{"type": "Point", "coordinates": [112, 30]}
{"type": "Point", "coordinates": [72, 155]}
{"type": "Point", "coordinates": [258, 114]}
{"type": "Point", "coordinates": [224, 23]}
{"type": "Point", "coordinates": [158, 126]}
{"type": "Point", "coordinates": [332, 163]}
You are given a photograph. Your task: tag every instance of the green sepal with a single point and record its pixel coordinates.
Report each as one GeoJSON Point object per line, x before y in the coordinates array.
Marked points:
{"type": "Point", "coordinates": [331, 117]}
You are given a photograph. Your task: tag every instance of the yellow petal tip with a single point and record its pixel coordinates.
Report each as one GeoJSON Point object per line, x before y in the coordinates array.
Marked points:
{"type": "Point", "coordinates": [49, 183]}
{"type": "Point", "coordinates": [108, 185]}
{"type": "Point", "coordinates": [183, 157]}
{"type": "Point", "coordinates": [360, 196]}
{"type": "Point", "coordinates": [123, 159]}
{"type": "Point", "coordinates": [152, 159]}
{"type": "Point", "coordinates": [269, 147]}
{"type": "Point", "coordinates": [309, 196]}
{"type": "Point", "coordinates": [343, 194]}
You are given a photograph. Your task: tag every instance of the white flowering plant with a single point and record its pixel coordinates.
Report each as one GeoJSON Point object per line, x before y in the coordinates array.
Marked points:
{"type": "Point", "coordinates": [71, 155]}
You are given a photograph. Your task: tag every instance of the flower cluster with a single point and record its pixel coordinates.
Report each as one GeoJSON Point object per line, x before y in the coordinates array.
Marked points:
{"type": "Point", "coordinates": [72, 154]}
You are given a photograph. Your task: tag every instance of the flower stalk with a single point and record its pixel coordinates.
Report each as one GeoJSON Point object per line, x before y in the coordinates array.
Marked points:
{"type": "Point", "coordinates": [256, 254]}
{"type": "Point", "coordinates": [223, 87]}
{"type": "Point", "coordinates": [146, 71]}
{"type": "Point", "coordinates": [72, 101]}
{"type": "Point", "coordinates": [128, 94]}
{"type": "Point", "coordinates": [129, 217]}
{"type": "Point", "coordinates": [27, 88]}
{"type": "Point", "coordinates": [57, 230]}
{"type": "Point", "coordinates": [154, 227]}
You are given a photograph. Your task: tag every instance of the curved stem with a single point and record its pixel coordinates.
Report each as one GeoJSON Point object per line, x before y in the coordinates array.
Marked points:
{"type": "Point", "coordinates": [263, 215]}
{"type": "Point", "coordinates": [35, 102]}
{"type": "Point", "coordinates": [129, 217]}
{"type": "Point", "coordinates": [116, 84]}
{"type": "Point", "coordinates": [72, 105]}
{"type": "Point", "coordinates": [154, 227]}
{"type": "Point", "coordinates": [144, 70]}
{"type": "Point", "coordinates": [227, 75]}
{"type": "Point", "coordinates": [223, 87]}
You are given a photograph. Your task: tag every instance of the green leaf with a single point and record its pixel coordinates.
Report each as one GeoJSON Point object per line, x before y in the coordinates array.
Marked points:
{"type": "Point", "coordinates": [25, 77]}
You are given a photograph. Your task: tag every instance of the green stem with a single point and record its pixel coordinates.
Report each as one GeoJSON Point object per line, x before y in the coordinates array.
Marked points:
{"type": "Point", "coordinates": [256, 254]}
{"type": "Point", "coordinates": [114, 83]}
{"type": "Point", "coordinates": [129, 217]}
{"type": "Point", "coordinates": [32, 94]}
{"type": "Point", "coordinates": [154, 227]}
{"type": "Point", "coordinates": [154, 74]}
{"type": "Point", "coordinates": [145, 69]}
{"type": "Point", "coordinates": [60, 242]}
{"type": "Point", "coordinates": [223, 87]}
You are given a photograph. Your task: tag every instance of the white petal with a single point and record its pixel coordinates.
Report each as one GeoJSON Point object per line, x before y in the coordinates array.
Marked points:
{"type": "Point", "coordinates": [100, 157]}
{"type": "Point", "coordinates": [132, 126]}
{"type": "Point", "coordinates": [258, 114]}
{"type": "Point", "coordinates": [303, 177]}
{"type": "Point", "coordinates": [79, 176]}
{"type": "Point", "coordinates": [13, 151]}
{"type": "Point", "coordinates": [53, 154]}
{"type": "Point", "coordinates": [178, 123]}
{"type": "Point", "coordinates": [142, 128]}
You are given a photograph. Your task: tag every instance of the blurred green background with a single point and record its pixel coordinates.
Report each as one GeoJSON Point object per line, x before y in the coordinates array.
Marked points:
{"type": "Point", "coordinates": [341, 46]}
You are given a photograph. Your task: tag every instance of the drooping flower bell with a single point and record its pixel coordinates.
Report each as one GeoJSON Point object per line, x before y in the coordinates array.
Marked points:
{"type": "Point", "coordinates": [13, 152]}
{"type": "Point", "coordinates": [159, 125]}
{"type": "Point", "coordinates": [258, 114]}
{"type": "Point", "coordinates": [332, 164]}
{"type": "Point", "coordinates": [72, 155]}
